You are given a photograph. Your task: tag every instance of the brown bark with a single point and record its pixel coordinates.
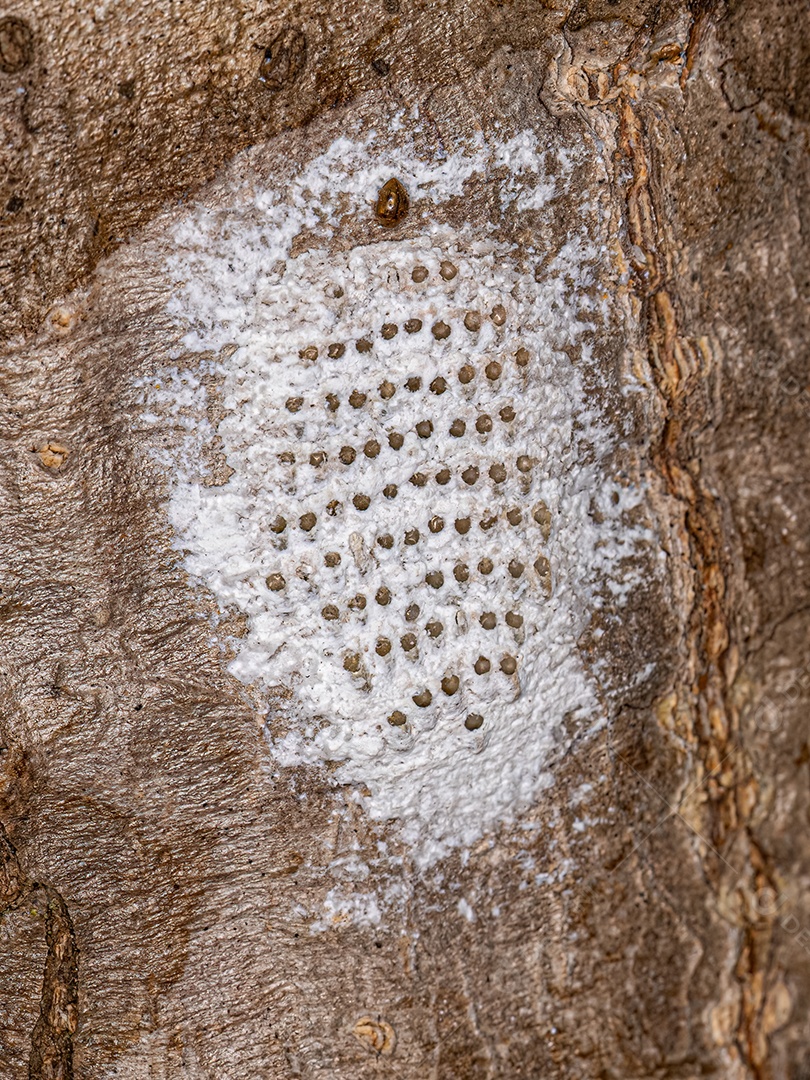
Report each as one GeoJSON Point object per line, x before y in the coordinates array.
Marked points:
{"type": "Point", "coordinates": [152, 880]}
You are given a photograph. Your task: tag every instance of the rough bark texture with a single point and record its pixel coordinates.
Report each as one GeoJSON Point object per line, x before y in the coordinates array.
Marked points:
{"type": "Point", "coordinates": [150, 875]}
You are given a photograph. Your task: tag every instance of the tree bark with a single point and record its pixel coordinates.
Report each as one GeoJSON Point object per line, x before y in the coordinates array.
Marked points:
{"type": "Point", "coordinates": [160, 869]}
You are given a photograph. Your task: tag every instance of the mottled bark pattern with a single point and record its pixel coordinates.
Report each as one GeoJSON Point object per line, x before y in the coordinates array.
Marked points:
{"type": "Point", "coordinates": [152, 878]}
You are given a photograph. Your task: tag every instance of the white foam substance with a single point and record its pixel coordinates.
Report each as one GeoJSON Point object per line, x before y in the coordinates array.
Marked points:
{"type": "Point", "coordinates": [491, 612]}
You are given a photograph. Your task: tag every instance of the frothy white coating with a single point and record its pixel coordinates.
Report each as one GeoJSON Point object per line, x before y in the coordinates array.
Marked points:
{"type": "Point", "coordinates": [239, 285]}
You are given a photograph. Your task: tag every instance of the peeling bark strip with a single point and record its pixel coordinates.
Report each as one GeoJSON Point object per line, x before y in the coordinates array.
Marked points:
{"type": "Point", "coordinates": [52, 1037]}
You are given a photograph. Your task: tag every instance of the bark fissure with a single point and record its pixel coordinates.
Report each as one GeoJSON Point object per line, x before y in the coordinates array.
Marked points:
{"type": "Point", "coordinates": [681, 368]}
{"type": "Point", "coordinates": [52, 1038]}
{"type": "Point", "coordinates": [51, 1056]}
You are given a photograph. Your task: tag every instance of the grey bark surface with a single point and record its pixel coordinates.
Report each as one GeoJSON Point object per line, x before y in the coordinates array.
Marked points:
{"type": "Point", "coordinates": [150, 875]}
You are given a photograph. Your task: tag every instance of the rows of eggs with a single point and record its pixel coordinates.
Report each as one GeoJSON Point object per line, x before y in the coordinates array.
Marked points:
{"type": "Point", "coordinates": [466, 377]}
{"type": "Point", "coordinates": [408, 641]}
{"type": "Point", "coordinates": [520, 466]}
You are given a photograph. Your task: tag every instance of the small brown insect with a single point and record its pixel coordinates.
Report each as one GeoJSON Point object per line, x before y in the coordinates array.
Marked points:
{"type": "Point", "coordinates": [392, 203]}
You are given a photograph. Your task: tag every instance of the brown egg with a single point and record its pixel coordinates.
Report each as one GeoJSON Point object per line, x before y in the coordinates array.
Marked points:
{"type": "Point", "coordinates": [392, 203]}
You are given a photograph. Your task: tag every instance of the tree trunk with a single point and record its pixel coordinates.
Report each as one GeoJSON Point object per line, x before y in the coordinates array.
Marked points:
{"type": "Point", "coordinates": [404, 568]}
